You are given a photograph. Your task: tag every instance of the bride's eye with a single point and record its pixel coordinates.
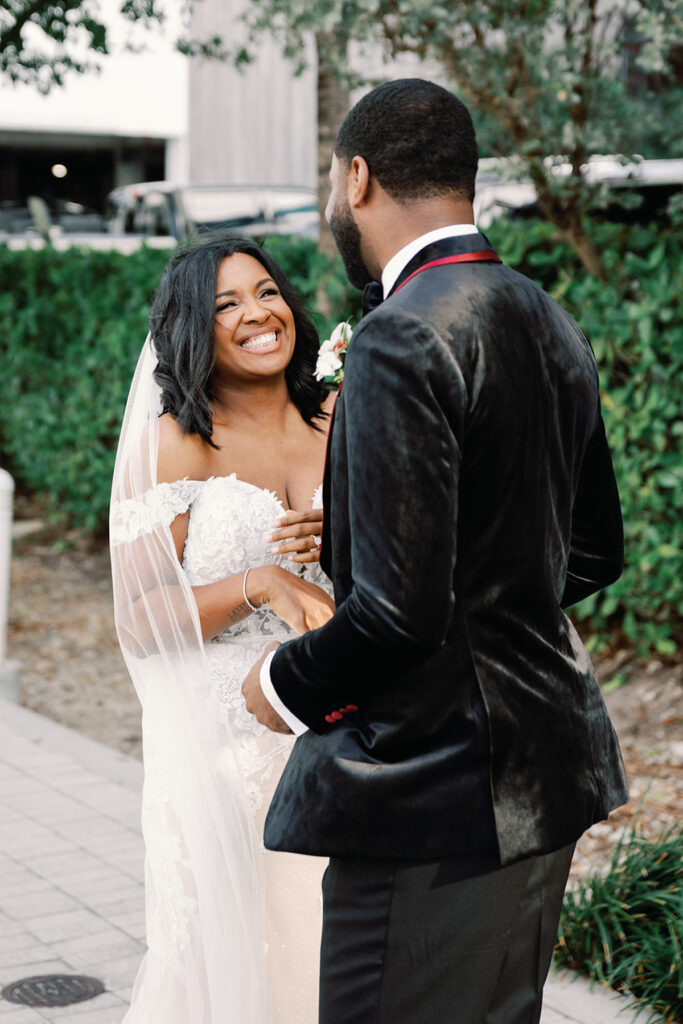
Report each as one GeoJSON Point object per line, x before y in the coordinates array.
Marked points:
{"type": "Point", "coordinates": [268, 293]}
{"type": "Point", "coordinates": [226, 305]}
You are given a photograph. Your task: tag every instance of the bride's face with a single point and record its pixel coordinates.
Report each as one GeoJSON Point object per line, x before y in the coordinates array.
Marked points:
{"type": "Point", "coordinates": [254, 329]}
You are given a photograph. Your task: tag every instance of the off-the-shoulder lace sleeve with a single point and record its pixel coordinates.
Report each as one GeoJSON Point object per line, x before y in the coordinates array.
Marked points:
{"type": "Point", "coordinates": [160, 505]}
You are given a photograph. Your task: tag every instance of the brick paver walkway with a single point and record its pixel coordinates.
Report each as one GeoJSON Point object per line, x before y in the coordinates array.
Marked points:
{"type": "Point", "coordinates": [71, 877]}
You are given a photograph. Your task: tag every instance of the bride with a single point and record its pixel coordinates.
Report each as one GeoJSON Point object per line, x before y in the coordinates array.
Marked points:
{"type": "Point", "coordinates": [215, 527]}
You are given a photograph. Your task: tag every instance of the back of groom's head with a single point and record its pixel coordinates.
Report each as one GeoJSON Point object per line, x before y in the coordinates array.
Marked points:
{"type": "Point", "coordinates": [416, 138]}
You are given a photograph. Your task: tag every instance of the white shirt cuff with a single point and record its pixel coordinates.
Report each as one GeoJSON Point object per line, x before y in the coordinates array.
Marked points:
{"type": "Point", "coordinates": [269, 692]}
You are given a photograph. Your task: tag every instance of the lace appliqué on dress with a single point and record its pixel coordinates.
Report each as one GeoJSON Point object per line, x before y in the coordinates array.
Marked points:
{"type": "Point", "coordinates": [133, 518]}
{"type": "Point", "coordinates": [166, 860]}
{"type": "Point", "coordinates": [229, 521]}
{"type": "Point", "coordinates": [260, 752]}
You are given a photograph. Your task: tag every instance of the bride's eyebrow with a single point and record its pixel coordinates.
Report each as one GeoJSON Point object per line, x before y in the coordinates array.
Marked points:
{"type": "Point", "coordinates": [263, 281]}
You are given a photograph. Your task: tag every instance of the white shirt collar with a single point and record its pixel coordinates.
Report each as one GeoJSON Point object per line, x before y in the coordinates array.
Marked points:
{"type": "Point", "coordinates": [403, 257]}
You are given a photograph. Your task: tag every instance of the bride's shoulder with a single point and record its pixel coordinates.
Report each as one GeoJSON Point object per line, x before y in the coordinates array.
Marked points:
{"type": "Point", "coordinates": [181, 455]}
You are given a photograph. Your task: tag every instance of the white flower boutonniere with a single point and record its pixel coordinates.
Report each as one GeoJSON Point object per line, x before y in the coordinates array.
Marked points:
{"type": "Point", "coordinates": [330, 364]}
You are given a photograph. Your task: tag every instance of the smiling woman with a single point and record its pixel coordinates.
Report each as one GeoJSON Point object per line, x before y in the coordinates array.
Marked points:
{"type": "Point", "coordinates": [186, 311]}
{"type": "Point", "coordinates": [251, 317]}
{"type": "Point", "coordinates": [215, 530]}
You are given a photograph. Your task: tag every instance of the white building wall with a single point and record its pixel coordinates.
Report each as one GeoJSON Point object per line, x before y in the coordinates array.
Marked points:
{"type": "Point", "coordinates": [260, 125]}
{"type": "Point", "coordinates": [257, 126]}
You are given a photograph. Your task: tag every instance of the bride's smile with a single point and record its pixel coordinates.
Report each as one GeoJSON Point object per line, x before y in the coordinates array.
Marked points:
{"type": "Point", "coordinates": [266, 341]}
{"type": "Point", "coordinates": [254, 329]}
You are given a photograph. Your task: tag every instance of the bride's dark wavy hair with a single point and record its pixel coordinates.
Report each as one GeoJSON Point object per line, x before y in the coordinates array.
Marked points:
{"type": "Point", "coordinates": [181, 322]}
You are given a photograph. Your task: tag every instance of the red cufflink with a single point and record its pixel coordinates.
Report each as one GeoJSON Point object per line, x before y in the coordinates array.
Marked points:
{"type": "Point", "coordinates": [336, 716]}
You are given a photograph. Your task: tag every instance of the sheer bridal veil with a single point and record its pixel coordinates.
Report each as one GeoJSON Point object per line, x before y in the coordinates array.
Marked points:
{"type": "Point", "coordinates": [206, 956]}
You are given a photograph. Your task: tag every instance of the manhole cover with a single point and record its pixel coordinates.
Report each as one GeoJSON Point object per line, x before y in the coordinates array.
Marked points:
{"type": "Point", "coordinates": [52, 990]}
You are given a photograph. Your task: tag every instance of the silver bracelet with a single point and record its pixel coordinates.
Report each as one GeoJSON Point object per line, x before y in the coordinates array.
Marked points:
{"type": "Point", "coordinates": [244, 591]}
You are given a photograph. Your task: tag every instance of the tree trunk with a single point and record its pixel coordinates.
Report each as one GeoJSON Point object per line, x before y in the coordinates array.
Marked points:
{"type": "Point", "coordinates": [586, 250]}
{"type": "Point", "coordinates": [565, 213]}
{"type": "Point", "coordinates": [333, 106]}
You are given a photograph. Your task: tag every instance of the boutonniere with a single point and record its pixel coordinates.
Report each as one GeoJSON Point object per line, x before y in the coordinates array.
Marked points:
{"type": "Point", "coordinates": [330, 364]}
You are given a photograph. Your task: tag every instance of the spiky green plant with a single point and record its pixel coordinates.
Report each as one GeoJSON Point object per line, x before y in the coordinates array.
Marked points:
{"type": "Point", "coordinates": [625, 928]}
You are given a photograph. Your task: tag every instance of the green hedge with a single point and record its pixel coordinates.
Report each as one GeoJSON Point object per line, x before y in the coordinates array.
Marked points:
{"type": "Point", "coordinates": [635, 325]}
{"type": "Point", "coordinates": [72, 323]}
{"type": "Point", "coordinates": [71, 328]}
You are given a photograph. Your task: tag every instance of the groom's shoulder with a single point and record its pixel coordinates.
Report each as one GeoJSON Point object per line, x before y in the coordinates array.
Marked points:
{"type": "Point", "coordinates": [473, 295]}
{"type": "Point", "coordinates": [394, 327]}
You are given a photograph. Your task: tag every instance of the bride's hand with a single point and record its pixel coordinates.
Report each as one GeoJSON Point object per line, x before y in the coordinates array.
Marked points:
{"type": "Point", "coordinates": [302, 605]}
{"type": "Point", "coordinates": [298, 534]}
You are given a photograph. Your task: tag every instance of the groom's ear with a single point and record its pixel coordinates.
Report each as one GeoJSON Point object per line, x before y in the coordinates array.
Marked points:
{"type": "Point", "coordinates": [358, 182]}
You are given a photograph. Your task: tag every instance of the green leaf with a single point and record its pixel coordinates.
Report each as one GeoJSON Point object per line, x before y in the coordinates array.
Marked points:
{"type": "Point", "coordinates": [668, 551]}
{"type": "Point", "coordinates": [615, 683]}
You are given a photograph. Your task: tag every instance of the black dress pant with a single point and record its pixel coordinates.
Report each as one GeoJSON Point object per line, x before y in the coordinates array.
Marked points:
{"type": "Point", "coordinates": [419, 944]}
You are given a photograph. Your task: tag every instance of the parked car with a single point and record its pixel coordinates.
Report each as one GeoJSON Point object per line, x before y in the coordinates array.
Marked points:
{"type": "Point", "coordinates": [160, 209]}
{"type": "Point", "coordinates": [39, 215]}
{"type": "Point", "coordinates": [630, 190]}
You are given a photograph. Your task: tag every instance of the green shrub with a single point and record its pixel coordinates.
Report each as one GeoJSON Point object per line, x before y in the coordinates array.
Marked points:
{"type": "Point", "coordinates": [71, 328]}
{"type": "Point", "coordinates": [626, 928]}
{"type": "Point", "coordinates": [635, 325]}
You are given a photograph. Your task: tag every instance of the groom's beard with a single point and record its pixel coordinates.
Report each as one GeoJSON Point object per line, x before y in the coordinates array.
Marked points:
{"type": "Point", "coordinates": [347, 238]}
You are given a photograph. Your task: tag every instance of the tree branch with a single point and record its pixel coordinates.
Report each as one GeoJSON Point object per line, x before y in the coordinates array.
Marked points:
{"type": "Point", "coordinates": [579, 109]}
{"type": "Point", "coordinates": [12, 36]}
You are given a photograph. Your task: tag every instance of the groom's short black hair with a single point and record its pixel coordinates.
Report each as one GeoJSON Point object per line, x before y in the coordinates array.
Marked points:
{"type": "Point", "coordinates": [416, 137]}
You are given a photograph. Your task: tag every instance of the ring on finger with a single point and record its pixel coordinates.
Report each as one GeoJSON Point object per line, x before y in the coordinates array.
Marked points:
{"type": "Point", "coordinates": [316, 540]}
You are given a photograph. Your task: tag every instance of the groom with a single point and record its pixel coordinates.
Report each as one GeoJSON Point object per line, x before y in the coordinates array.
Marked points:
{"type": "Point", "coordinates": [453, 741]}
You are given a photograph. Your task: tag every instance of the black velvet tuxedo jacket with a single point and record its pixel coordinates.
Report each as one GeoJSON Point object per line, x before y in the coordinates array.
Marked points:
{"type": "Point", "coordinates": [471, 498]}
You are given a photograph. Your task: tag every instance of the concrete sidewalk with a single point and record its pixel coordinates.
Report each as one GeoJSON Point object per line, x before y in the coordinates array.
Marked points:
{"type": "Point", "coordinates": [71, 877]}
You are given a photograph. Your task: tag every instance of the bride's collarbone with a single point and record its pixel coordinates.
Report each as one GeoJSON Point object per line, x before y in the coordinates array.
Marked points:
{"type": "Point", "coordinates": [290, 472]}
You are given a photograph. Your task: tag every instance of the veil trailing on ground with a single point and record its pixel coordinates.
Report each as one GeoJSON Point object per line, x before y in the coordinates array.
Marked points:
{"type": "Point", "coordinates": [206, 955]}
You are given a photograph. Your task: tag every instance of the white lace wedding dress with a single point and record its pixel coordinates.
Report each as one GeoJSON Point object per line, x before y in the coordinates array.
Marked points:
{"type": "Point", "coordinates": [228, 521]}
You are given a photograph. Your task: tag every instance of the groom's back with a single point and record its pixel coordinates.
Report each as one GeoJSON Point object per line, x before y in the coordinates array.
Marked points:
{"type": "Point", "coordinates": [531, 415]}
{"type": "Point", "coordinates": [445, 752]}
{"type": "Point", "coordinates": [471, 497]}
{"type": "Point", "coordinates": [531, 408]}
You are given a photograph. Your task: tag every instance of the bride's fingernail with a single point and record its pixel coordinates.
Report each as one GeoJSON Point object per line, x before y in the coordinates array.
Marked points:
{"type": "Point", "coordinates": [269, 536]}
{"type": "Point", "coordinates": [275, 548]}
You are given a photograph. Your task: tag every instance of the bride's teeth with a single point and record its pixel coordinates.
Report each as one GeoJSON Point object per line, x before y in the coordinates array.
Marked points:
{"type": "Point", "coordinates": [262, 341]}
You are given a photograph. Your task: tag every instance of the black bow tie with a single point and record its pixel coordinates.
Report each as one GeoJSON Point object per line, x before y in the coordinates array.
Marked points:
{"type": "Point", "coordinates": [373, 295]}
